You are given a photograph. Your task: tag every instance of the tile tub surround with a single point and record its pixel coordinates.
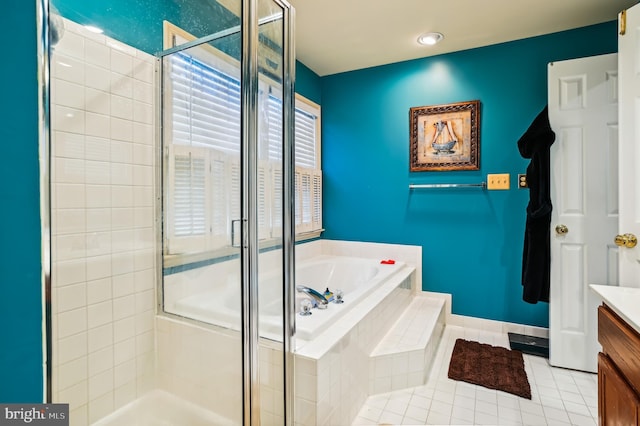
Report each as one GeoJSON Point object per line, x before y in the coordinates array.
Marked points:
{"type": "Point", "coordinates": [404, 355]}
{"type": "Point", "coordinates": [332, 372]}
{"type": "Point", "coordinates": [103, 235]}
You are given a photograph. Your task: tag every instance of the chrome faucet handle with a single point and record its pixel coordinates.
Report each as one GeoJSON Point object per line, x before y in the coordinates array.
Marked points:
{"type": "Point", "coordinates": [321, 301]}
{"type": "Point", "coordinates": [338, 295]}
{"type": "Point", "coordinates": [306, 307]}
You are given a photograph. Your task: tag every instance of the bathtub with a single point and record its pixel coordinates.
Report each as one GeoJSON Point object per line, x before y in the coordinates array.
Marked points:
{"type": "Point", "coordinates": [356, 277]}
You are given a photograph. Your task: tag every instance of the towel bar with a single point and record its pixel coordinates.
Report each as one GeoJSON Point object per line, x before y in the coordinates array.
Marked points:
{"type": "Point", "coordinates": [482, 185]}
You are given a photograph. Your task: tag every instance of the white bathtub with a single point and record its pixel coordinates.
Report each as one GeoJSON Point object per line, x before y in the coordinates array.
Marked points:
{"type": "Point", "coordinates": [356, 277]}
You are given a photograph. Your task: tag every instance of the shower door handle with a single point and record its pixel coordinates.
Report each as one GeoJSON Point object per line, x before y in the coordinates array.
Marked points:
{"type": "Point", "coordinates": [233, 233]}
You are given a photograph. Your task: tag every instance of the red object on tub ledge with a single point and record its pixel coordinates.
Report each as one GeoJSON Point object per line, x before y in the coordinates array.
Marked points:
{"type": "Point", "coordinates": [388, 262]}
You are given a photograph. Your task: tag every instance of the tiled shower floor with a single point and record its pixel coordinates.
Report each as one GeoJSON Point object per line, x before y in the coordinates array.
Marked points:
{"type": "Point", "coordinates": [559, 397]}
{"type": "Point", "coordinates": [160, 408]}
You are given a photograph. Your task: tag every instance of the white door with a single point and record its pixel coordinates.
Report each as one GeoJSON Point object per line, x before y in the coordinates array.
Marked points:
{"type": "Point", "coordinates": [629, 63]}
{"type": "Point", "coordinates": [583, 112]}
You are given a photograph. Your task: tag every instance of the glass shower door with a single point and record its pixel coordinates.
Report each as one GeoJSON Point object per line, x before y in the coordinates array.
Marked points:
{"type": "Point", "coordinates": [225, 220]}
{"type": "Point", "coordinates": [274, 244]}
{"type": "Point", "coordinates": [202, 218]}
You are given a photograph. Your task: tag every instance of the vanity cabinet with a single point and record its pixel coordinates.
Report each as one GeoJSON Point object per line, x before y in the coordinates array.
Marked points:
{"type": "Point", "coordinates": [618, 370]}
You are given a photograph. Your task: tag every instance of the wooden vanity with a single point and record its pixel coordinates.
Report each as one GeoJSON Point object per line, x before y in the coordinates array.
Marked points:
{"type": "Point", "coordinates": [619, 361]}
{"type": "Point", "coordinates": [618, 369]}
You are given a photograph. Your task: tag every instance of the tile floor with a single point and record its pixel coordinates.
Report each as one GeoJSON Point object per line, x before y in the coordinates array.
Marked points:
{"type": "Point", "coordinates": [559, 396]}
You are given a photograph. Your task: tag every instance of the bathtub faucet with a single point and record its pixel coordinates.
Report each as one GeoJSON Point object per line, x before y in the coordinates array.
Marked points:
{"type": "Point", "coordinates": [322, 301]}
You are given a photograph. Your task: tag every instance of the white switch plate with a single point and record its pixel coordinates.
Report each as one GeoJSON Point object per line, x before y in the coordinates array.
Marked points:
{"type": "Point", "coordinates": [498, 181]}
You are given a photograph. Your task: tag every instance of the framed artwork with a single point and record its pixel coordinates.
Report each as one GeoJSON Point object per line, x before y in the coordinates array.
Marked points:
{"type": "Point", "coordinates": [445, 137]}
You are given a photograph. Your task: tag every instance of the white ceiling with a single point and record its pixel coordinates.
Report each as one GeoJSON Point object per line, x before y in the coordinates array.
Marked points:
{"type": "Point", "coordinates": [334, 36]}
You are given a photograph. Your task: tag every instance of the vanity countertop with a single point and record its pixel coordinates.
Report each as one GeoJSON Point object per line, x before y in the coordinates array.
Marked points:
{"type": "Point", "coordinates": [625, 301]}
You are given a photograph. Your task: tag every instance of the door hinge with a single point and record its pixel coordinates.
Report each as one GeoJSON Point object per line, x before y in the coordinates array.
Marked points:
{"type": "Point", "coordinates": [623, 22]}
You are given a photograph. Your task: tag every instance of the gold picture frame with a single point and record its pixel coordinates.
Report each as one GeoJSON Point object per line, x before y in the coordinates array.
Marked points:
{"type": "Point", "coordinates": [445, 137]}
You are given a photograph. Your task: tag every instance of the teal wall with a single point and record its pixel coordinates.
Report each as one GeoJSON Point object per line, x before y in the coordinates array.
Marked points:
{"type": "Point", "coordinates": [20, 266]}
{"type": "Point", "coordinates": [308, 83]}
{"type": "Point", "coordinates": [472, 239]}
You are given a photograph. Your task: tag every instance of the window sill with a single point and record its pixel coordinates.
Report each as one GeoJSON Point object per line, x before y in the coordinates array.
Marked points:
{"type": "Point", "coordinates": [308, 235]}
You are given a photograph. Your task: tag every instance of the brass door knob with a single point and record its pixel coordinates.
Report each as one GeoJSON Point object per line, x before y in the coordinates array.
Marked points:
{"type": "Point", "coordinates": [626, 240]}
{"type": "Point", "coordinates": [562, 229]}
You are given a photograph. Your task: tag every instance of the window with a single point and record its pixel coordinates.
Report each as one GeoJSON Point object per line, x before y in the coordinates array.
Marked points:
{"type": "Point", "coordinates": [308, 174]}
{"type": "Point", "coordinates": [202, 136]}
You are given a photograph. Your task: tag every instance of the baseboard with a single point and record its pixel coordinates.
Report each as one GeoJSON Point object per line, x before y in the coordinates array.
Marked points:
{"type": "Point", "coordinates": [485, 324]}
{"type": "Point", "coordinates": [497, 326]}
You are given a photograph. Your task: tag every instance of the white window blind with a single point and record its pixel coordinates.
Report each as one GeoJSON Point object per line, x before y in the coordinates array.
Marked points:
{"type": "Point", "coordinates": [276, 182]}
{"type": "Point", "coordinates": [188, 221]}
{"type": "Point", "coordinates": [274, 127]}
{"type": "Point", "coordinates": [203, 101]}
{"type": "Point", "coordinates": [305, 137]}
{"type": "Point", "coordinates": [308, 187]}
{"type": "Point", "coordinates": [205, 105]}
{"type": "Point", "coordinates": [305, 134]}
{"type": "Point", "coordinates": [189, 198]}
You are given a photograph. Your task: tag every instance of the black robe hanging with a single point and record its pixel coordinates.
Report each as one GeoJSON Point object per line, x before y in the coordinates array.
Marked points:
{"type": "Point", "coordinates": [536, 258]}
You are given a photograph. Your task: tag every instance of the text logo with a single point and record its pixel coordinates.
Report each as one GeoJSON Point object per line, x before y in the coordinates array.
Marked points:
{"type": "Point", "coordinates": [34, 414]}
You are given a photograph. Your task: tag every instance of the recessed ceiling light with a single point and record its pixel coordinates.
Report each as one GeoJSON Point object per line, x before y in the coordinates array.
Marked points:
{"type": "Point", "coordinates": [93, 29]}
{"type": "Point", "coordinates": [429, 39]}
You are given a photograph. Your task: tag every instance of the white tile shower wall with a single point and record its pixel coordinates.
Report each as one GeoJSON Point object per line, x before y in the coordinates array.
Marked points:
{"type": "Point", "coordinates": [201, 365]}
{"type": "Point", "coordinates": [204, 366]}
{"type": "Point", "coordinates": [271, 383]}
{"type": "Point", "coordinates": [103, 238]}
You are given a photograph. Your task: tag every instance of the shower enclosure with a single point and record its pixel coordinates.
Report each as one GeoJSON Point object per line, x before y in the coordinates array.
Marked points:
{"type": "Point", "coordinates": [171, 211]}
